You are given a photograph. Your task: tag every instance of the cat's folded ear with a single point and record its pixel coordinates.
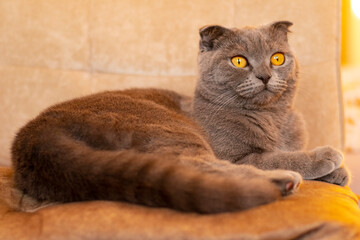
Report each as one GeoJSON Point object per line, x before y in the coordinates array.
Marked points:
{"type": "Point", "coordinates": [209, 35]}
{"type": "Point", "coordinates": [280, 28]}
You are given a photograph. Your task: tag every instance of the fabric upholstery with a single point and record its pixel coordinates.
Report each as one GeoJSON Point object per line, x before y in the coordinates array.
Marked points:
{"type": "Point", "coordinates": [318, 211]}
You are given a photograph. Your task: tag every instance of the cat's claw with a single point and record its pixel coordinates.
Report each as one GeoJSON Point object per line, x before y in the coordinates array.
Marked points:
{"type": "Point", "coordinates": [287, 181]}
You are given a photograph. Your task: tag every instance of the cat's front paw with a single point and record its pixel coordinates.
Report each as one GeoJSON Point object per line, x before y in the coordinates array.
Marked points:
{"type": "Point", "coordinates": [324, 161]}
{"type": "Point", "coordinates": [287, 181]}
{"type": "Point", "coordinates": [340, 176]}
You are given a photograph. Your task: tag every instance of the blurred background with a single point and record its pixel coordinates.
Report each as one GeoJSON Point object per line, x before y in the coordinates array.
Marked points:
{"type": "Point", "coordinates": [350, 72]}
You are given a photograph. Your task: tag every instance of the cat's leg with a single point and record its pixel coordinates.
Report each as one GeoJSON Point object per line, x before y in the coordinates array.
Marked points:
{"type": "Point", "coordinates": [340, 176]}
{"type": "Point", "coordinates": [294, 132]}
{"type": "Point", "coordinates": [311, 165]}
{"type": "Point", "coordinates": [286, 181]}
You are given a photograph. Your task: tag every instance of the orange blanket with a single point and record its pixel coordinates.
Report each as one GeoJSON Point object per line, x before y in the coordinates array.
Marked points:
{"type": "Point", "coordinates": [317, 211]}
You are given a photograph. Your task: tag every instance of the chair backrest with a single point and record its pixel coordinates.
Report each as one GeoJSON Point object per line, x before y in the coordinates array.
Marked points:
{"type": "Point", "coordinates": [52, 51]}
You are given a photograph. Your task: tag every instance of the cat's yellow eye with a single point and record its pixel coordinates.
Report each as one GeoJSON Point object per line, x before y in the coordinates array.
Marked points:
{"type": "Point", "coordinates": [239, 62]}
{"type": "Point", "coordinates": [277, 59]}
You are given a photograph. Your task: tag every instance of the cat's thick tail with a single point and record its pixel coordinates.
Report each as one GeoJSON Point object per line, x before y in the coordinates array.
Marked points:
{"type": "Point", "coordinates": [62, 169]}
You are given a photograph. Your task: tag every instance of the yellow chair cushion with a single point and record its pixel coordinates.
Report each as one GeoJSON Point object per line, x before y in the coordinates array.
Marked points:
{"type": "Point", "coordinates": [317, 211]}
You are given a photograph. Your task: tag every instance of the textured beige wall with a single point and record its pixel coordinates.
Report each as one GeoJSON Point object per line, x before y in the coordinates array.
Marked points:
{"type": "Point", "coordinates": [56, 50]}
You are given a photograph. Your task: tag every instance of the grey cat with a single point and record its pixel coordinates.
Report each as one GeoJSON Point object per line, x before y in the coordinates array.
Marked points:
{"type": "Point", "coordinates": [150, 147]}
{"type": "Point", "coordinates": [247, 110]}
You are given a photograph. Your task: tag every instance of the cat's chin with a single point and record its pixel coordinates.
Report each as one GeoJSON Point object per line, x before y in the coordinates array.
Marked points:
{"type": "Point", "coordinates": [263, 98]}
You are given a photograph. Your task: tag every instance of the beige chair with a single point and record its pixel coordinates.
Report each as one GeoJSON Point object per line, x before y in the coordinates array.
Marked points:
{"type": "Point", "coordinates": [51, 51]}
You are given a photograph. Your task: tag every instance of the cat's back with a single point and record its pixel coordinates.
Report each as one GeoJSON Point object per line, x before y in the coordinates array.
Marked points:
{"type": "Point", "coordinates": [133, 101]}
{"type": "Point", "coordinates": [140, 119]}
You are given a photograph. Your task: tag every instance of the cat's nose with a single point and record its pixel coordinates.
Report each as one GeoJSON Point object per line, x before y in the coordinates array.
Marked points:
{"type": "Point", "coordinates": [264, 78]}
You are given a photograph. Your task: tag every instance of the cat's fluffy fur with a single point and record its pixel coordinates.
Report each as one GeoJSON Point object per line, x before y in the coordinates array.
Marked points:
{"type": "Point", "coordinates": [145, 147]}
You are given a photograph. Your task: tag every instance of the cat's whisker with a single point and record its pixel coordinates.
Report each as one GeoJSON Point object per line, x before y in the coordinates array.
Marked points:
{"type": "Point", "coordinates": [245, 84]}
{"type": "Point", "coordinates": [280, 83]}
{"type": "Point", "coordinates": [244, 88]}
{"type": "Point", "coordinates": [246, 94]}
{"type": "Point", "coordinates": [278, 86]}
{"type": "Point", "coordinates": [226, 103]}
{"type": "Point", "coordinates": [304, 93]}
{"type": "Point", "coordinates": [248, 91]}
{"type": "Point", "coordinates": [252, 87]}
{"type": "Point", "coordinates": [219, 99]}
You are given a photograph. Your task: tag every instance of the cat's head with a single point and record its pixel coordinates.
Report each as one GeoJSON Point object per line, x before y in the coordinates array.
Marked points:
{"type": "Point", "coordinates": [254, 64]}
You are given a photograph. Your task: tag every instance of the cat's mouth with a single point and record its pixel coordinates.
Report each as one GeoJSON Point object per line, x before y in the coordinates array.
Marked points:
{"type": "Point", "coordinates": [250, 92]}
{"type": "Point", "coordinates": [258, 90]}
{"type": "Point", "coordinates": [261, 94]}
